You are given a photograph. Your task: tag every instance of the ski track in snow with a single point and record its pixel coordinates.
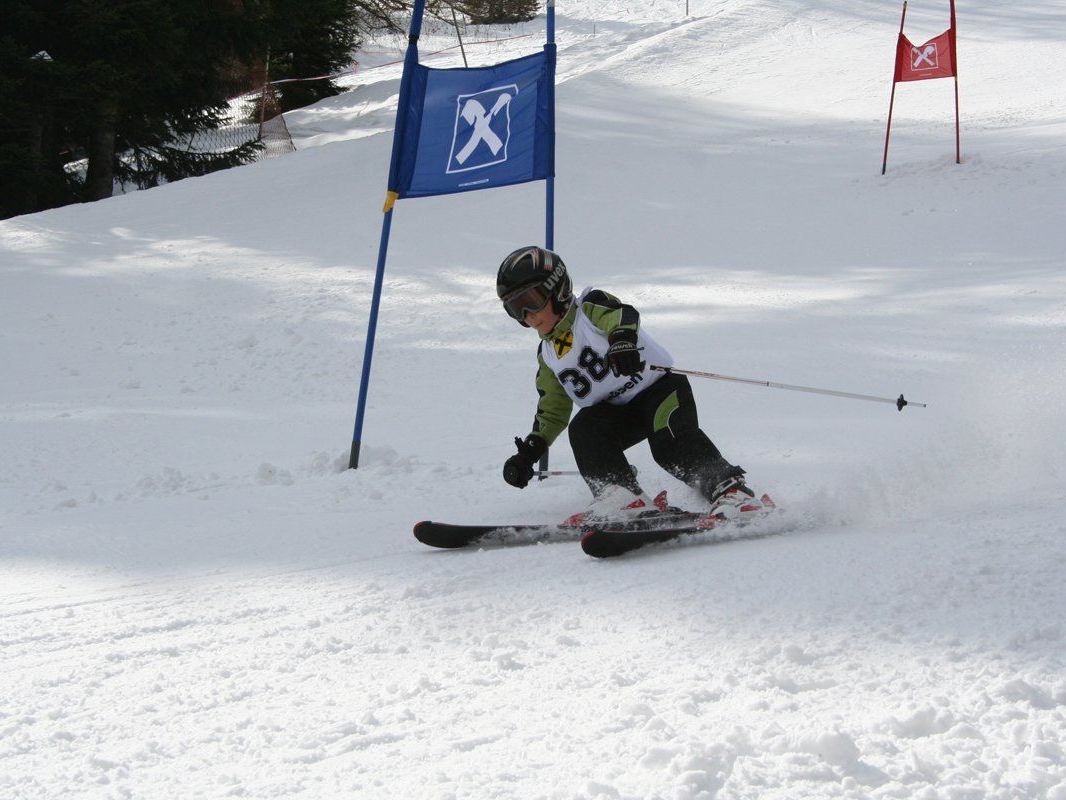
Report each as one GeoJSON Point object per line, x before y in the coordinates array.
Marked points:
{"type": "Point", "coordinates": [197, 599]}
{"type": "Point", "coordinates": [792, 664]}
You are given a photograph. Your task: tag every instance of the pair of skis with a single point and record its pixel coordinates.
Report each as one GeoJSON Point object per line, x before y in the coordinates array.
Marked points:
{"type": "Point", "coordinates": [600, 540]}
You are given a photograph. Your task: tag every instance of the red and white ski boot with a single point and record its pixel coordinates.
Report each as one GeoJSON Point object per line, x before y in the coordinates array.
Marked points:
{"type": "Point", "coordinates": [732, 499]}
{"type": "Point", "coordinates": [616, 504]}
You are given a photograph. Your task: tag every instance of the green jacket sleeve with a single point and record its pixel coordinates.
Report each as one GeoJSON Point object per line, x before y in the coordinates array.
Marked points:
{"type": "Point", "coordinates": [608, 313]}
{"type": "Point", "coordinates": [553, 407]}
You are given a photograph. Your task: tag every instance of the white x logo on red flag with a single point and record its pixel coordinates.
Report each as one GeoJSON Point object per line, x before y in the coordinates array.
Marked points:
{"type": "Point", "coordinates": [924, 57]}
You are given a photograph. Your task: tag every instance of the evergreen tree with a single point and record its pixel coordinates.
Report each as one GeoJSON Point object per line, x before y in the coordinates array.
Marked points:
{"type": "Point", "coordinates": [499, 12]}
{"type": "Point", "coordinates": [123, 76]}
{"type": "Point", "coordinates": [311, 38]}
{"type": "Point", "coordinates": [32, 92]}
{"type": "Point", "coordinates": [154, 70]}
{"type": "Point", "coordinates": [127, 83]}
{"type": "Point", "coordinates": [221, 35]}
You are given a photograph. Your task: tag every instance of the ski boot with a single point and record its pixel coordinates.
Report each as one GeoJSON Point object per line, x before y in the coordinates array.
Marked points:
{"type": "Point", "coordinates": [730, 497]}
{"type": "Point", "coordinates": [616, 504]}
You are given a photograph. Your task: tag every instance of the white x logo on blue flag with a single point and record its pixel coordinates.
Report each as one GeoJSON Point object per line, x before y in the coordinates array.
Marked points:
{"type": "Point", "coordinates": [482, 128]}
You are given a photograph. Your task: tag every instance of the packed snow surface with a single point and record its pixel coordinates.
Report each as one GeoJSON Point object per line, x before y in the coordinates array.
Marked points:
{"type": "Point", "coordinates": [197, 599]}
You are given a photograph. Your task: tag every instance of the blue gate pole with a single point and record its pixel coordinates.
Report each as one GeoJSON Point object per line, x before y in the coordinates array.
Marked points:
{"type": "Point", "coordinates": [410, 61]}
{"type": "Point", "coordinates": [549, 235]}
{"type": "Point", "coordinates": [549, 189]}
{"type": "Point", "coordinates": [371, 330]}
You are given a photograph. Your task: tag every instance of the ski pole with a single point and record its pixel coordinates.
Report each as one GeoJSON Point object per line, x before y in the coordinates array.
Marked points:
{"type": "Point", "coordinates": [546, 473]}
{"type": "Point", "coordinates": [899, 402]}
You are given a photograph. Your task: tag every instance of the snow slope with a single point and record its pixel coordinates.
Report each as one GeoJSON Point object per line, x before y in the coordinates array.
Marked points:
{"type": "Point", "coordinates": [198, 600]}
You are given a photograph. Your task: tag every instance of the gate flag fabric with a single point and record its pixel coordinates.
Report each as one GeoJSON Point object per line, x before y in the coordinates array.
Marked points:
{"type": "Point", "coordinates": [477, 128]}
{"type": "Point", "coordinates": [934, 59]}
{"type": "Point", "coordinates": [937, 58]}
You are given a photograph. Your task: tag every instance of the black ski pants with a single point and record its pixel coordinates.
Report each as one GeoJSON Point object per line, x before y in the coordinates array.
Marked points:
{"type": "Point", "coordinates": [665, 415]}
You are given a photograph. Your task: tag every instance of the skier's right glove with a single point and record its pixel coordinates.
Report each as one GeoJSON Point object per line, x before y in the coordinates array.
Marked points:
{"type": "Point", "coordinates": [518, 469]}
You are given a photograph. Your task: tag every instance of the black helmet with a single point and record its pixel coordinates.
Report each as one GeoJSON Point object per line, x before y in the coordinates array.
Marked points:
{"type": "Point", "coordinates": [530, 277]}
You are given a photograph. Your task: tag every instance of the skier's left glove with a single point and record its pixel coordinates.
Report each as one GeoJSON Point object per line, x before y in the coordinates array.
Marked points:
{"type": "Point", "coordinates": [623, 357]}
{"type": "Point", "coordinates": [518, 469]}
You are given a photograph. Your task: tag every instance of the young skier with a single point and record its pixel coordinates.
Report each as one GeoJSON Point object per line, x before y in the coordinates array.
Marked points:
{"type": "Point", "coordinates": [594, 352]}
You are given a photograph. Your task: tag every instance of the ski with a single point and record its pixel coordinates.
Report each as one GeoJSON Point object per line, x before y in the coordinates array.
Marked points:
{"type": "Point", "coordinates": [445, 535]}
{"type": "Point", "coordinates": [599, 539]}
{"type": "Point", "coordinates": [450, 536]}
{"type": "Point", "coordinates": [611, 541]}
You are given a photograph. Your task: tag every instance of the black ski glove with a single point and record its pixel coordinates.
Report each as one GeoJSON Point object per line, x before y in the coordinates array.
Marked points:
{"type": "Point", "coordinates": [518, 469]}
{"type": "Point", "coordinates": [623, 357]}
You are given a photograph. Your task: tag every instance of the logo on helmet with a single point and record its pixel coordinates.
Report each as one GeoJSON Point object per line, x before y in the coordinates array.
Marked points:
{"type": "Point", "coordinates": [555, 277]}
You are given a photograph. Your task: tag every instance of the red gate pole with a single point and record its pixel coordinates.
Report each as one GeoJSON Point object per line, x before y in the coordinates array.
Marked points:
{"type": "Point", "coordinates": [892, 97]}
{"type": "Point", "coordinates": [955, 66]}
{"type": "Point", "coordinates": [958, 155]}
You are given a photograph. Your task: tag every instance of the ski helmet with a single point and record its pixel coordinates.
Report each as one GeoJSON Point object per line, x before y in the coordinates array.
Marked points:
{"type": "Point", "coordinates": [529, 278]}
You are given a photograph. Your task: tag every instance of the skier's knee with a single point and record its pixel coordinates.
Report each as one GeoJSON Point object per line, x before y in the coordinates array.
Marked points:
{"type": "Point", "coordinates": [584, 431]}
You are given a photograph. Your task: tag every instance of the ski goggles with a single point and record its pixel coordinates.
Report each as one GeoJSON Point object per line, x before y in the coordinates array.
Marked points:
{"type": "Point", "coordinates": [526, 300]}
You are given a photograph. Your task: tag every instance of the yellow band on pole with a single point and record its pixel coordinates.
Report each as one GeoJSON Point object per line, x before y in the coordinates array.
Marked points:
{"type": "Point", "coordinates": [390, 201]}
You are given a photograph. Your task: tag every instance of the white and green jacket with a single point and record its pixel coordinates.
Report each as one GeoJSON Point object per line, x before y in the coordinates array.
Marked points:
{"type": "Point", "coordinates": [572, 365]}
